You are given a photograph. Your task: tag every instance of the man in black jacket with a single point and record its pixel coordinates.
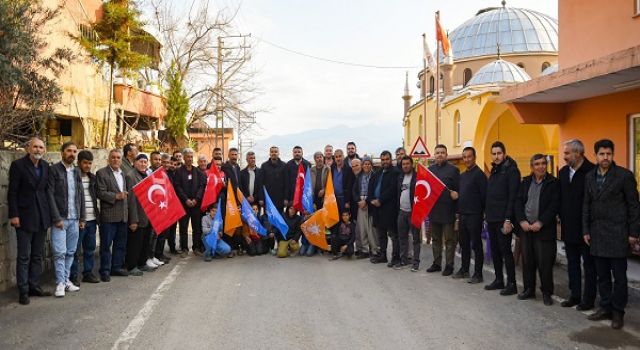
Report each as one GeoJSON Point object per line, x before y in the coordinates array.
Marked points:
{"type": "Point", "coordinates": [342, 177]}
{"type": "Point", "coordinates": [406, 185]}
{"type": "Point", "coordinates": [29, 215]}
{"type": "Point", "coordinates": [473, 193]}
{"type": "Point", "coordinates": [292, 171]}
{"type": "Point", "coordinates": [251, 181]}
{"type": "Point", "coordinates": [382, 197]}
{"type": "Point", "coordinates": [443, 215]}
{"type": "Point", "coordinates": [572, 178]}
{"type": "Point", "coordinates": [611, 223]}
{"type": "Point", "coordinates": [231, 168]}
{"type": "Point", "coordinates": [189, 185]}
{"type": "Point", "coordinates": [536, 209]}
{"type": "Point", "coordinates": [502, 190]}
{"type": "Point", "coordinates": [275, 179]}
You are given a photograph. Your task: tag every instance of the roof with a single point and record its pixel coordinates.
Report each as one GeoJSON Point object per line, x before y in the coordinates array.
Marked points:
{"type": "Point", "coordinates": [499, 72]}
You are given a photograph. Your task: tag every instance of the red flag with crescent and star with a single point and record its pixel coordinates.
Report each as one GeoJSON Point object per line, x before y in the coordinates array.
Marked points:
{"type": "Point", "coordinates": [159, 200]}
{"type": "Point", "coordinates": [428, 190]}
{"type": "Point", "coordinates": [297, 195]}
{"type": "Point", "coordinates": [215, 183]}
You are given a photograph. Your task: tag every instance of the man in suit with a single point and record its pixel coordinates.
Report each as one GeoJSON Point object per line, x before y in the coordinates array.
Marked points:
{"type": "Point", "coordinates": [231, 169]}
{"type": "Point", "coordinates": [251, 181]}
{"type": "Point", "coordinates": [274, 175]}
{"type": "Point", "coordinates": [130, 152]}
{"type": "Point", "coordinates": [342, 177]}
{"type": "Point", "coordinates": [572, 177]}
{"type": "Point", "coordinates": [29, 214]}
{"type": "Point", "coordinates": [536, 209]}
{"type": "Point", "coordinates": [189, 185]}
{"type": "Point", "coordinates": [364, 219]}
{"type": "Point", "coordinates": [67, 207]}
{"type": "Point", "coordinates": [382, 197]}
{"type": "Point", "coordinates": [443, 215]}
{"type": "Point", "coordinates": [406, 184]}
{"type": "Point", "coordinates": [292, 171]}
{"type": "Point", "coordinates": [611, 223]}
{"type": "Point", "coordinates": [112, 192]}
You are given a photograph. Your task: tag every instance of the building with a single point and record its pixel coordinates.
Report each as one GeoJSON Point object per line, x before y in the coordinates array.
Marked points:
{"type": "Point", "coordinates": [206, 138]}
{"type": "Point", "coordinates": [81, 116]}
{"type": "Point", "coordinates": [595, 91]}
{"type": "Point", "coordinates": [497, 48]}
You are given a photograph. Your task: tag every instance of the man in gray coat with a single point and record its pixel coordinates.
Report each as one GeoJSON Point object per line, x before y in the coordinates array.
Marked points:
{"type": "Point", "coordinates": [112, 192]}
{"type": "Point", "coordinates": [611, 214]}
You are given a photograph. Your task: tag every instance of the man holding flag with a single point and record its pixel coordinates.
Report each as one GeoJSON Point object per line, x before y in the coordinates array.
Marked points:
{"type": "Point", "coordinates": [406, 192]}
{"type": "Point", "coordinates": [293, 172]}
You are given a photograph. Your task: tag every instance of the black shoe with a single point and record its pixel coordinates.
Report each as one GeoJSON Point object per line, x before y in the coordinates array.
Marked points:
{"type": "Point", "coordinates": [173, 252]}
{"type": "Point", "coordinates": [448, 271]}
{"type": "Point", "coordinates": [434, 268]}
{"type": "Point", "coordinates": [546, 298]}
{"type": "Point", "coordinates": [362, 256]}
{"type": "Point", "coordinates": [415, 267]}
{"type": "Point", "coordinates": [461, 274]}
{"type": "Point", "coordinates": [105, 278]}
{"type": "Point", "coordinates": [617, 320]}
{"type": "Point", "coordinates": [476, 279]}
{"type": "Point", "coordinates": [392, 263]}
{"type": "Point", "coordinates": [336, 257]}
{"type": "Point", "coordinates": [165, 259]}
{"type": "Point", "coordinates": [571, 302]}
{"type": "Point", "coordinates": [90, 278]}
{"type": "Point", "coordinates": [120, 272]}
{"type": "Point", "coordinates": [75, 280]}
{"type": "Point", "coordinates": [600, 315]}
{"type": "Point", "coordinates": [495, 285]}
{"type": "Point", "coordinates": [510, 289]}
{"type": "Point", "coordinates": [584, 306]}
{"type": "Point", "coordinates": [24, 299]}
{"type": "Point", "coordinates": [400, 266]}
{"type": "Point", "coordinates": [39, 292]}
{"type": "Point", "coordinates": [379, 260]}
{"type": "Point", "coordinates": [527, 294]}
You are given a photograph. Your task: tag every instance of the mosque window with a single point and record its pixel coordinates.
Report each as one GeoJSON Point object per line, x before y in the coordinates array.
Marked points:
{"type": "Point", "coordinates": [521, 65]}
{"type": "Point", "coordinates": [432, 85]}
{"type": "Point", "coordinates": [466, 76]}
{"type": "Point", "coordinates": [457, 128]}
{"type": "Point", "coordinates": [546, 65]}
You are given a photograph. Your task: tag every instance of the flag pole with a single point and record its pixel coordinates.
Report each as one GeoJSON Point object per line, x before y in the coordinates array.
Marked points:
{"type": "Point", "coordinates": [437, 84]}
{"type": "Point", "coordinates": [424, 84]}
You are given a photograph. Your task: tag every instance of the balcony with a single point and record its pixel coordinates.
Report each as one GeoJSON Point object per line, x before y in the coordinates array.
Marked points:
{"type": "Point", "coordinates": [137, 102]}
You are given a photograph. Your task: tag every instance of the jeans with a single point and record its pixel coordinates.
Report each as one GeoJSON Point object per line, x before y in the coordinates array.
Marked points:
{"type": "Point", "coordinates": [307, 248]}
{"type": "Point", "coordinates": [29, 261]}
{"type": "Point", "coordinates": [613, 296]}
{"type": "Point", "coordinates": [86, 241]}
{"type": "Point", "coordinates": [470, 239]}
{"type": "Point", "coordinates": [112, 233]}
{"type": "Point", "coordinates": [405, 227]}
{"type": "Point", "coordinates": [501, 252]}
{"type": "Point", "coordinates": [439, 233]}
{"type": "Point", "coordinates": [64, 242]}
{"type": "Point", "coordinates": [578, 259]}
{"type": "Point", "coordinates": [222, 248]}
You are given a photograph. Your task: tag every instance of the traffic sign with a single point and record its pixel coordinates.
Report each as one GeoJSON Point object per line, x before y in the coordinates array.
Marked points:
{"type": "Point", "coordinates": [419, 149]}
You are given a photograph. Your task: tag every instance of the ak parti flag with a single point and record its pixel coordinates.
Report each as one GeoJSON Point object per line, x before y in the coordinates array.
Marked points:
{"type": "Point", "coordinates": [428, 190]}
{"type": "Point", "coordinates": [297, 195]}
{"type": "Point", "coordinates": [159, 200]}
{"type": "Point", "coordinates": [215, 183]}
{"type": "Point", "coordinates": [314, 229]}
{"type": "Point", "coordinates": [232, 218]}
{"type": "Point", "coordinates": [307, 193]}
{"type": "Point", "coordinates": [330, 204]}
{"type": "Point", "coordinates": [442, 37]}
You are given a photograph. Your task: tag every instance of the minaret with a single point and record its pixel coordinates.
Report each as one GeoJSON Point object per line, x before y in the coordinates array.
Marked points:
{"type": "Point", "coordinates": [406, 97]}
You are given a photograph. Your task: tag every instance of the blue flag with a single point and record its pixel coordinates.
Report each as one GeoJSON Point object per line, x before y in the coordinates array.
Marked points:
{"type": "Point", "coordinates": [274, 216]}
{"type": "Point", "coordinates": [250, 218]}
{"type": "Point", "coordinates": [307, 193]}
{"type": "Point", "coordinates": [212, 237]}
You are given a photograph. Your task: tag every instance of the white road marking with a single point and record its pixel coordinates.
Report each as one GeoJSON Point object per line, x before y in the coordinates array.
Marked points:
{"type": "Point", "coordinates": [135, 326]}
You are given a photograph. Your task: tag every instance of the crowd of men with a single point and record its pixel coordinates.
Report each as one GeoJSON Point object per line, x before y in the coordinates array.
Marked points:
{"type": "Point", "coordinates": [596, 205]}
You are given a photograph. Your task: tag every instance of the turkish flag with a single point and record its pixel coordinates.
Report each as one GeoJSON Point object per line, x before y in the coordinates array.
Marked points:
{"type": "Point", "coordinates": [297, 195]}
{"type": "Point", "coordinates": [215, 183]}
{"type": "Point", "coordinates": [428, 190]}
{"type": "Point", "coordinates": [159, 200]}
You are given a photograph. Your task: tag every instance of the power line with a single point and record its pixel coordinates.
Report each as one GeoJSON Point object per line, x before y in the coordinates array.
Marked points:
{"type": "Point", "coordinates": [324, 59]}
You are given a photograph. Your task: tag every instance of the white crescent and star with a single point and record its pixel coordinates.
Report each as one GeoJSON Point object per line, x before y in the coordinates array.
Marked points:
{"type": "Point", "coordinates": [152, 189]}
{"type": "Point", "coordinates": [426, 186]}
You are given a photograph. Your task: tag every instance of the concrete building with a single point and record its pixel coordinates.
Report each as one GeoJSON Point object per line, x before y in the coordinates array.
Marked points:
{"type": "Point", "coordinates": [497, 48]}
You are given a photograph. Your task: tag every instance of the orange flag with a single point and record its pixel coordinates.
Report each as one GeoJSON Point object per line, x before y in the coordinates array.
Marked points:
{"type": "Point", "coordinates": [232, 218]}
{"type": "Point", "coordinates": [314, 229]}
{"type": "Point", "coordinates": [441, 36]}
{"type": "Point", "coordinates": [330, 204]}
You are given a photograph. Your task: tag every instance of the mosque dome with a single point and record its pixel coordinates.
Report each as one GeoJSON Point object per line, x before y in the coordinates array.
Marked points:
{"type": "Point", "coordinates": [499, 72]}
{"type": "Point", "coordinates": [517, 30]}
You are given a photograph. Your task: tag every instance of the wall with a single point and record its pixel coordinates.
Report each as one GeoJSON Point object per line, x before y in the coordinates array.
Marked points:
{"type": "Point", "coordinates": [8, 252]}
{"type": "Point", "coordinates": [595, 28]}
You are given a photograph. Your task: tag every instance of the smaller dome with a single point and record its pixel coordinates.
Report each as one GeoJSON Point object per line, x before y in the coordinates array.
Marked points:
{"type": "Point", "coordinates": [499, 72]}
{"type": "Point", "coordinates": [550, 70]}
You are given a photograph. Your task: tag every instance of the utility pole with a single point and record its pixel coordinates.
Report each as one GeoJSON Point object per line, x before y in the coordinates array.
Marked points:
{"type": "Point", "coordinates": [222, 77]}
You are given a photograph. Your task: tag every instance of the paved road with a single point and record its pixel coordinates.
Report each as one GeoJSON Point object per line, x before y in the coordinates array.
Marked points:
{"type": "Point", "coordinates": [311, 303]}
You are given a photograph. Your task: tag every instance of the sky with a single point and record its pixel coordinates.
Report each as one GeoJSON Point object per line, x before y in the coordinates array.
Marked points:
{"type": "Point", "coordinates": [306, 96]}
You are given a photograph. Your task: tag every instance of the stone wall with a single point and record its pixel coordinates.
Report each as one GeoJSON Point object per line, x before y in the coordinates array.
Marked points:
{"type": "Point", "coordinates": [8, 251]}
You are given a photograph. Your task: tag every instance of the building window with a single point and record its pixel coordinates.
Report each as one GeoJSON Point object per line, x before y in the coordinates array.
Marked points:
{"type": "Point", "coordinates": [457, 128]}
{"type": "Point", "coordinates": [432, 85]}
{"type": "Point", "coordinates": [466, 76]}
{"type": "Point", "coordinates": [547, 64]}
{"type": "Point", "coordinates": [521, 65]}
{"type": "Point", "coordinates": [65, 127]}
{"type": "Point", "coordinates": [634, 147]}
